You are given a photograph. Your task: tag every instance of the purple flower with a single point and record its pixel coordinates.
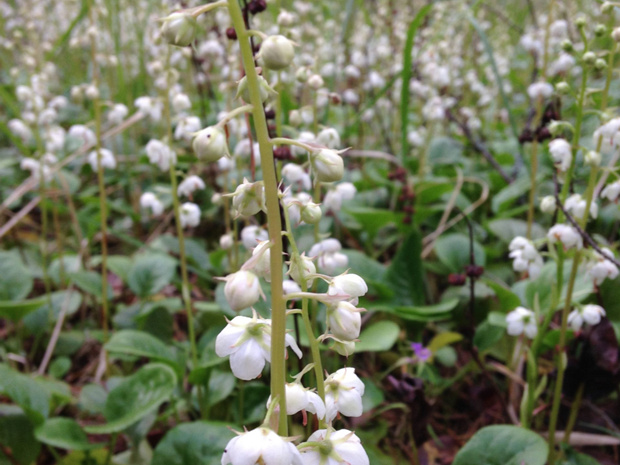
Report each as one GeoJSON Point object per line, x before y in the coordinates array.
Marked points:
{"type": "Point", "coordinates": [422, 353]}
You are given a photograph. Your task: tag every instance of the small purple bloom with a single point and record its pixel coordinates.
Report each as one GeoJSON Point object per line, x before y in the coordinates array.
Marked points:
{"type": "Point", "coordinates": [422, 353]}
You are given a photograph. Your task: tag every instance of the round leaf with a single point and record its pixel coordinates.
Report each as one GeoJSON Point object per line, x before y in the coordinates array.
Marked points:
{"type": "Point", "coordinates": [63, 433]}
{"type": "Point", "coordinates": [150, 273]}
{"type": "Point", "coordinates": [193, 443]}
{"type": "Point", "coordinates": [136, 397]}
{"type": "Point", "coordinates": [503, 445]}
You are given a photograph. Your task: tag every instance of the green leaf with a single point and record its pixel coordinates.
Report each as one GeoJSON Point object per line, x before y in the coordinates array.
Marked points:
{"type": "Point", "coordinates": [371, 220]}
{"type": "Point", "coordinates": [405, 274]}
{"type": "Point", "coordinates": [140, 344]}
{"type": "Point", "coordinates": [453, 251]}
{"type": "Point", "coordinates": [70, 264]}
{"type": "Point", "coordinates": [373, 396]}
{"type": "Point", "coordinates": [426, 312]}
{"type": "Point", "coordinates": [25, 392]}
{"type": "Point", "coordinates": [90, 282]}
{"type": "Point", "coordinates": [503, 445]}
{"type": "Point", "coordinates": [93, 398]}
{"type": "Point", "coordinates": [445, 151]}
{"type": "Point", "coordinates": [150, 273]}
{"type": "Point", "coordinates": [377, 337]}
{"type": "Point", "coordinates": [119, 265]}
{"type": "Point", "coordinates": [509, 228]}
{"type": "Point", "coordinates": [63, 433]}
{"type": "Point", "coordinates": [487, 335]}
{"type": "Point", "coordinates": [406, 76]}
{"type": "Point", "coordinates": [15, 280]}
{"type": "Point", "coordinates": [442, 340]}
{"type": "Point", "coordinates": [193, 443]}
{"type": "Point", "coordinates": [136, 396]}
{"type": "Point", "coordinates": [15, 311]}
{"type": "Point", "coordinates": [17, 434]}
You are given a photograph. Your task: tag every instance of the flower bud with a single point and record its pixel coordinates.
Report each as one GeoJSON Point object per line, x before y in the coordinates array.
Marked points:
{"type": "Point", "coordinates": [179, 29]}
{"type": "Point", "coordinates": [327, 165]}
{"type": "Point", "coordinates": [600, 64]}
{"type": "Point", "coordinates": [294, 118]}
{"type": "Point", "coordinates": [276, 52]}
{"type": "Point", "coordinates": [345, 321]}
{"type": "Point", "coordinates": [567, 46]}
{"type": "Point", "coordinates": [265, 91]}
{"type": "Point", "coordinates": [249, 198]}
{"type": "Point", "coordinates": [351, 285]}
{"type": "Point", "coordinates": [581, 21]}
{"type": "Point", "coordinates": [242, 290]}
{"type": "Point", "coordinates": [311, 213]}
{"type": "Point", "coordinates": [315, 81]}
{"type": "Point", "coordinates": [210, 144]}
{"type": "Point", "coordinates": [226, 241]}
{"type": "Point", "coordinates": [302, 75]}
{"type": "Point", "coordinates": [300, 269]}
{"type": "Point", "coordinates": [562, 87]}
{"type": "Point", "coordinates": [589, 58]}
{"type": "Point", "coordinates": [600, 30]}
{"type": "Point", "coordinates": [607, 7]}
{"type": "Point", "coordinates": [592, 158]}
{"type": "Point", "coordinates": [344, 348]}
{"type": "Point", "coordinates": [547, 204]}
{"type": "Point", "coordinates": [615, 34]}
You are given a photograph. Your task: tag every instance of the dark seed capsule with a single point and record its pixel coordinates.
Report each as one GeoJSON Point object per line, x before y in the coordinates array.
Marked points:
{"type": "Point", "coordinates": [231, 33]}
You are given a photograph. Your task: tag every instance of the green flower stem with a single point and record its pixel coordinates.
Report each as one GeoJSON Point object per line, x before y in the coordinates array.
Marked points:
{"type": "Point", "coordinates": [575, 142]}
{"type": "Point", "coordinates": [234, 113]}
{"type": "Point", "coordinates": [278, 309]}
{"type": "Point", "coordinates": [186, 289]}
{"type": "Point", "coordinates": [101, 186]}
{"type": "Point", "coordinates": [314, 343]}
{"type": "Point", "coordinates": [285, 141]}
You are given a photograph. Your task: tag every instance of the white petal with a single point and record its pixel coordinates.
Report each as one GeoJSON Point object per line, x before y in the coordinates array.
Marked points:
{"type": "Point", "coordinates": [290, 342]}
{"type": "Point", "coordinates": [350, 403]}
{"type": "Point", "coordinates": [315, 404]}
{"type": "Point", "coordinates": [226, 340]}
{"type": "Point", "coordinates": [248, 361]}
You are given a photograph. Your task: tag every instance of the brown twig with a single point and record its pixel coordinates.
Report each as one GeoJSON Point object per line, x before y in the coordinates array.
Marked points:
{"type": "Point", "coordinates": [479, 147]}
{"type": "Point", "coordinates": [586, 237]}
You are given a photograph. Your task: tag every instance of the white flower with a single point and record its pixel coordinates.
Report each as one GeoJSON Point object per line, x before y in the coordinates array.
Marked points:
{"type": "Point", "coordinates": [522, 321]}
{"type": "Point", "coordinates": [329, 137]}
{"type": "Point", "coordinates": [248, 342]}
{"type": "Point", "coordinates": [260, 262]}
{"type": "Point", "coordinates": [149, 107]}
{"type": "Point", "coordinates": [343, 393]}
{"type": "Point", "coordinates": [327, 165]}
{"type": "Point", "coordinates": [540, 90]}
{"type": "Point", "coordinates": [179, 29]}
{"type": "Point", "coordinates": [576, 205]}
{"type": "Point", "coordinates": [35, 168]}
{"type": "Point", "coordinates": [117, 113]}
{"type": "Point", "coordinates": [189, 185]}
{"type": "Point", "coordinates": [186, 127]}
{"type": "Point", "coordinates": [290, 287]}
{"type": "Point", "coordinates": [334, 197]}
{"type": "Point", "coordinates": [107, 159]}
{"type": "Point", "coordinates": [260, 446]}
{"type": "Point", "coordinates": [55, 139]}
{"type": "Point", "coordinates": [249, 198]}
{"type": "Point", "coordinates": [561, 153]}
{"type": "Point", "coordinates": [342, 447]}
{"type": "Point", "coordinates": [608, 134]}
{"type": "Point", "coordinates": [299, 398]}
{"type": "Point", "coordinates": [226, 241]}
{"type": "Point", "coordinates": [329, 257]}
{"type": "Point", "coordinates": [548, 204]}
{"type": "Point", "coordinates": [567, 235]}
{"type": "Point", "coordinates": [189, 215]}
{"type": "Point", "coordinates": [301, 269]}
{"type": "Point", "coordinates": [242, 290]}
{"type": "Point", "coordinates": [160, 154]}
{"type": "Point", "coordinates": [20, 129]}
{"type": "Point", "coordinates": [590, 314]}
{"type": "Point", "coordinates": [611, 191]}
{"type": "Point", "coordinates": [525, 257]}
{"type": "Point", "coordinates": [601, 268]}
{"type": "Point", "coordinates": [251, 235]}
{"type": "Point", "coordinates": [149, 200]}
{"type": "Point", "coordinates": [81, 132]}
{"type": "Point", "coordinates": [181, 102]}
{"type": "Point", "coordinates": [344, 320]}
{"type": "Point", "coordinates": [348, 284]}
{"type": "Point", "coordinates": [294, 174]}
